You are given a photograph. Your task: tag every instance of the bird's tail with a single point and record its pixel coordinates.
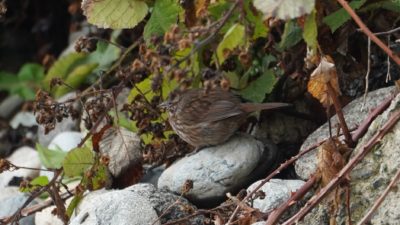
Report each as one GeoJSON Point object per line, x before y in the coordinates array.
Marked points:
{"type": "Point", "coordinates": [252, 107]}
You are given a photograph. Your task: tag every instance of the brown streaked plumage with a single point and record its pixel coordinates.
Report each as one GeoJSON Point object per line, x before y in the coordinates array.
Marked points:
{"type": "Point", "coordinates": [204, 118]}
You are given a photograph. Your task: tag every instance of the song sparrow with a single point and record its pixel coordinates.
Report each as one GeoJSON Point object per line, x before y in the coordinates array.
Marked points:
{"type": "Point", "coordinates": [204, 118]}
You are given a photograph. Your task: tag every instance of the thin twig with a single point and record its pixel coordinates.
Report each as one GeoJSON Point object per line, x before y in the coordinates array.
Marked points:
{"type": "Point", "coordinates": [278, 212]}
{"type": "Point", "coordinates": [388, 75]}
{"type": "Point", "coordinates": [363, 127]}
{"type": "Point", "coordinates": [274, 173]}
{"type": "Point", "coordinates": [368, 71]}
{"type": "Point", "coordinates": [20, 213]}
{"type": "Point", "coordinates": [368, 32]}
{"type": "Point", "coordinates": [385, 32]}
{"type": "Point", "coordinates": [339, 113]}
{"type": "Point", "coordinates": [208, 39]}
{"type": "Point", "coordinates": [114, 66]}
{"type": "Point", "coordinates": [345, 171]}
{"type": "Point", "coordinates": [382, 197]}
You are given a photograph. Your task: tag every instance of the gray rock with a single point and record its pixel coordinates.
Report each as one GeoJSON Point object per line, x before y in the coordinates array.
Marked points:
{"type": "Point", "coordinates": [46, 217]}
{"type": "Point", "coordinates": [152, 175]}
{"type": "Point", "coordinates": [66, 140]}
{"type": "Point", "coordinates": [169, 205]}
{"type": "Point", "coordinates": [9, 105]}
{"type": "Point", "coordinates": [120, 207]}
{"type": "Point", "coordinates": [276, 192]}
{"type": "Point", "coordinates": [8, 192]}
{"type": "Point", "coordinates": [24, 156]}
{"type": "Point", "coordinates": [10, 205]}
{"type": "Point", "coordinates": [215, 170]}
{"type": "Point", "coordinates": [26, 119]}
{"type": "Point", "coordinates": [354, 114]}
{"type": "Point", "coordinates": [67, 124]}
{"type": "Point", "coordinates": [259, 223]}
{"type": "Point", "coordinates": [369, 178]}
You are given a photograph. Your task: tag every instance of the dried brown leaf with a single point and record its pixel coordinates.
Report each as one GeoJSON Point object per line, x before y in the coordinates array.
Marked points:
{"type": "Point", "coordinates": [325, 73]}
{"type": "Point", "coordinates": [330, 159]}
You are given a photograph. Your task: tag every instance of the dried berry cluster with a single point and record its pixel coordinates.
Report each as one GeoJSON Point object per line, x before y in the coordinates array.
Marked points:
{"type": "Point", "coordinates": [85, 44]}
{"type": "Point", "coordinates": [48, 111]}
{"type": "Point", "coordinates": [96, 108]}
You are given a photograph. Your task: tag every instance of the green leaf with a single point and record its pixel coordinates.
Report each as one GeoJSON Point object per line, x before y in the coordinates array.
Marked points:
{"type": "Point", "coordinates": [8, 81]}
{"type": "Point", "coordinates": [233, 38]}
{"type": "Point", "coordinates": [233, 79]}
{"type": "Point", "coordinates": [388, 5]}
{"type": "Point", "coordinates": [284, 9]}
{"type": "Point", "coordinates": [75, 78]}
{"type": "Point", "coordinates": [164, 14]}
{"type": "Point", "coordinates": [260, 30]}
{"type": "Point", "coordinates": [73, 204]}
{"type": "Point", "coordinates": [218, 8]}
{"type": "Point", "coordinates": [78, 161]}
{"type": "Point", "coordinates": [310, 30]}
{"type": "Point", "coordinates": [338, 18]}
{"type": "Point", "coordinates": [99, 179]}
{"type": "Point", "coordinates": [51, 159]}
{"type": "Point", "coordinates": [40, 181]}
{"type": "Point", "coordinates": [104, 55]}
{"type": "Point", "coordinates": [62, 67]}
{"type": "Point", "coordinates": [31, 72]}
{"type": "Point", "coordinates": [115, 14]}
{"type": "Point", "coordinates": [292, 35]}
{"type": "Point", "coordinates": [25, 82]}
{"type": "Point", "coordinates": [258, 88]}
{"type": "Point", "coordinates": [123, 121]}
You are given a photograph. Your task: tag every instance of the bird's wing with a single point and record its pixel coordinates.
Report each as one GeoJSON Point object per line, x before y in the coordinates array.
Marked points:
{"type": "Point", "coordinates": [206, 111]}
{"type": "Point", "coordinates": [222, 109]}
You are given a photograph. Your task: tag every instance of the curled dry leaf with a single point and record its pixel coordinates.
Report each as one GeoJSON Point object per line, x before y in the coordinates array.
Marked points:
{"type": "Point", "coordinates": [331, 159]}
{"type": "Point", "coordinates": [323, 75]}
{"type": "Point", "coordinates": [123, 149]}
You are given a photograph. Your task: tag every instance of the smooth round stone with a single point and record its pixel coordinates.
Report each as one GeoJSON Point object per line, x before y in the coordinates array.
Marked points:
{"type": "Point", "coordinates": [215, 170]}
{"type": "Point", "coordinates": [120, 207]}
{"type": "Point", "coordinates": [276, 192]}
{"type": "Point", "coordinates": [26, 119]}
{"type": "Point", "coordinates": [23, 157]}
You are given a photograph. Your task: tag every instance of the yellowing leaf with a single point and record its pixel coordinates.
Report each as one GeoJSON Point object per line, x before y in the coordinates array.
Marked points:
{"type": "Point", "coordinates": [284, 9]}
{"type": "Point", "coordinates": [233, 38]}
{"type": "Point", "coordinates": [115, 14]}
{"type": "Point", "coordinates": [310, 30]}
{"type": "Point", "coordinates": [325, 73]}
